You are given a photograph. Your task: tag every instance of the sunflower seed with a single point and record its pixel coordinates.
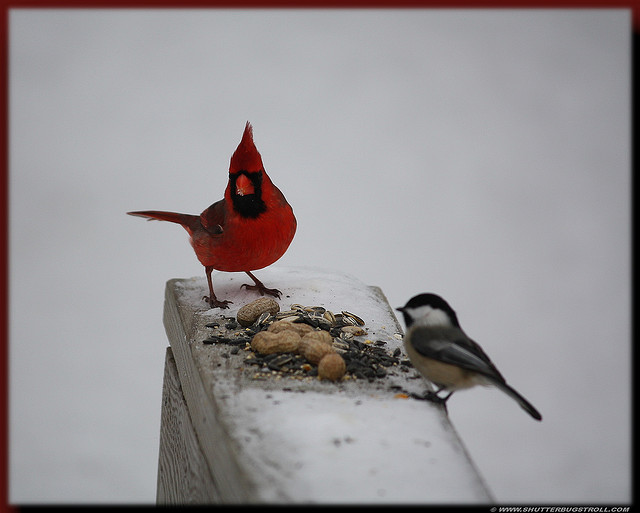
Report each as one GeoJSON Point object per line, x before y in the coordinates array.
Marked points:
{"type": "Point", "coordinates": [262, 320]}
{"type": "Point", "coordinates": [354, 331]}
{"type": "Point", "coordinates": [357, 321]}
{"type": "Point", "coordinates": [340, 347]}
{"type": "Point", "coordinates": [290, 318]}
{"type": "Point", "coordinates": [328, 315]}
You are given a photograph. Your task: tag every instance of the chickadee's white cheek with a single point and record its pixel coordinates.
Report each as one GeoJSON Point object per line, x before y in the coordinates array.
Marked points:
{"type": "Point", "coordinates": [438, 318]}
{"type": "Point", "coordinates": [428, 316]}
{"type": "Point", "coordinates": [420, 312]}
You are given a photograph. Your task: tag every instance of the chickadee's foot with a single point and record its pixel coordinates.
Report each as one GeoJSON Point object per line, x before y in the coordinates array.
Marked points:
{"type": "Point", "coordinates": [432, 396]}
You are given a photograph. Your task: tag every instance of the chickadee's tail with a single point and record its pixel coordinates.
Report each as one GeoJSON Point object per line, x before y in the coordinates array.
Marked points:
{"type": "Point", "coordinates": [526, 405]}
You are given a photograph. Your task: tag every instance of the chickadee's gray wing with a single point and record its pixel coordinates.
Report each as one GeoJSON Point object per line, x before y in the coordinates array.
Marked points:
{"type": "Point", "coordinates": [452, 346]}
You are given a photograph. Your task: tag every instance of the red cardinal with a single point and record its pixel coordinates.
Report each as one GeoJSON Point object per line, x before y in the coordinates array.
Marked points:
{"type": "Point", "coordinates": [249, 229]}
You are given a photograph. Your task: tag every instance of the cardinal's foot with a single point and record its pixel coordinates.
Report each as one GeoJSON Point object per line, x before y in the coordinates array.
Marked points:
{"type": "Point", "coordinates": [214, 303]}
{"type": "Point", "coordinates": [263, 290]}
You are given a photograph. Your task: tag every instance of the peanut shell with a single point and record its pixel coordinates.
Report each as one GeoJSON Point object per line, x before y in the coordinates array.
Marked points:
{"type": "Point", "coordinates": [249, 313]}
{"type": "Point", "coordinates": [266, 342]}
{"type": "Point", "coordinates": [332, 367]}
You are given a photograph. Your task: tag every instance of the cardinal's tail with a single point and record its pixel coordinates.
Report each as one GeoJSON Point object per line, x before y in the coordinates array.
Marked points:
{"type": "Point", "coordinates": [189, 221]}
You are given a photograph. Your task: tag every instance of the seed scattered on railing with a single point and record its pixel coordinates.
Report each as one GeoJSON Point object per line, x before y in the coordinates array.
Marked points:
{"type": "Point", "coordinates": [293, 342]}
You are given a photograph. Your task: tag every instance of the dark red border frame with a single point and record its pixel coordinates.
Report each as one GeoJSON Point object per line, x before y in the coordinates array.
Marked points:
{"type": "Point", "coordinates": [4, 262]}
{"type": "Point", "coordinates": [248, 4]}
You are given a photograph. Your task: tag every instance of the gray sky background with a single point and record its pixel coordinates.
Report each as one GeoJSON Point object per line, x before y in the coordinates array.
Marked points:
{"type": "Point", "coordinates": [480, 154]}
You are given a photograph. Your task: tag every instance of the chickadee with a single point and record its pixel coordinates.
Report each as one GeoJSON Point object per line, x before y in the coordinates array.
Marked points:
{"type": "Point", "coordinates": [445, 355]}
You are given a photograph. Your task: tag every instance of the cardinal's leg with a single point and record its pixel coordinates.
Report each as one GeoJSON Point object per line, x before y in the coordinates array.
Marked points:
{"type": "Point", "coordinates": [211, 298]}
{"type": "Point", "coordinates": [259, 286]}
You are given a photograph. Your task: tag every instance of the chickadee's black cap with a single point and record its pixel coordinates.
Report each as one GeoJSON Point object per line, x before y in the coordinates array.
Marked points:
{"type": "Point", "coordinates": [428, 299]}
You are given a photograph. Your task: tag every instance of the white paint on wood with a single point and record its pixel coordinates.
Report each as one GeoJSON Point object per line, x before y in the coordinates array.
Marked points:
{"type": "Point", "coordinates": [183, 472]}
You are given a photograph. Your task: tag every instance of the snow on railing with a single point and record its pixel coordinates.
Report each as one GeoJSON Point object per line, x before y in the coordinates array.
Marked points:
{"type": "Point", "coordinates": [241, 427]}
